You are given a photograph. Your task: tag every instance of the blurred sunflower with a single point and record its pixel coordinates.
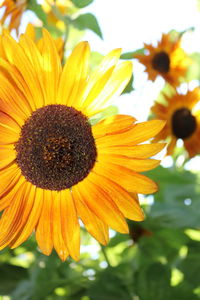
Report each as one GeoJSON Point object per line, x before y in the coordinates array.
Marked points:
{"type": "Point", "coordinates": [53, 8]}
{"type": "Point", "coordinates": [55, 166]}
{"type": "Point", "coordinates": [183, 121]}
{"type": "Point", "coordinates": [13, 9]}
{"type": "Point", "coordinates": [167, 59]}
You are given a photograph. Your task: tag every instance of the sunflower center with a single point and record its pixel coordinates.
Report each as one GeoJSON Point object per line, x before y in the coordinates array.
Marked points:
{"type": "Point", "coordinates": [56, 148]}
{"type": "Point", "coordinates": [161, 62]}
{"type": "Point", "coordinates": [183, 123]}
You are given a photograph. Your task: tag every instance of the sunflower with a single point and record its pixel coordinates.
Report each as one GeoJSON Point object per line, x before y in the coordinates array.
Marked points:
{"type": "Point", "coordinates": [53, 8]}
{"type": "Point", "coordinates": [13, 9]}
{"type": "Point", "coordinates": [167, 59]}
{"type": "Point", "coordinates": [56, 168]}
{"type": "Point", "coordinates": [182, 120]}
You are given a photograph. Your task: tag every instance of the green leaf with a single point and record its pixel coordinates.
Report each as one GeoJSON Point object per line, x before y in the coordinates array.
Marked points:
{"type": "Point", "coordinates": [153, 282]}
{"type": "Point", "coordinates": [131, 55]}
{"type": "Point", "coordinates": [162, 242]}
{"type": "Point", "coordinates": [37, 9]}
{"type": "Point", "coordinates": [109, 286]}
{"type": "Point", "coordinates": [10, 276]}
{"type": "Point", "coordinates": [183, 291]}
{"type": "Point", "coordinates": [81, 3]}
{"type": "Point", "coordinates": [177, 215]}
{"type": "Point", "coordinates": [190, 266]}
{"type": "Point", "coordinates": [174, 34]}
{"type": "Point", "coordinates": [87, 21]}
{"type": "Point", "coordinates": [129, 88]}
{"type": "Point", "coordinates": [23, 291]}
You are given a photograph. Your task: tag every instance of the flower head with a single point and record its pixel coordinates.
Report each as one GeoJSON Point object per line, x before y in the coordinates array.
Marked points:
{"type": "Point", "coordinates": [167, 59]}
{"type": "Point", "coordinates": [182, 121]}
{"type": "Point", "coordinates": [13, 9]}
{"type": "Point", "coordinates": [56, 168]}
{"type": "Point", "coordinates": [55, 8]}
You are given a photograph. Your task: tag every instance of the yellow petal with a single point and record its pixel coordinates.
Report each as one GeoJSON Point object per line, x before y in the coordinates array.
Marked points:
{"type": "Point", "coordinates": [7, 197]}
{"type": "Point", "coordinates": [97, 228]}
{"type": "Point", "coordinates": [129, 180]}
{"type": "Point", "coordinates": [171, 146]}
{"type": "Point", "coordinates": [30, 31]}
{"type": "Point", "coordinates": [101, 204]}
{"type": "Point", "coordinates": [137, 151]}
{"type": "Point", "coordinates": [74, 75]}
{"type": "Point", "coordinates": [11, 103]}
{"type": "Point", "coordinates": [139, 133]}
{"type": "Point", "coordinates": [24, 93]}
{"type": "Point", "coordinates": [15, 216]}
{"type": "Point", "coordinates": [7, 156]}
{"type": "Point", "coordinates": [146, 130]}
{"type": "Point", "coordinates": [8, 178]}
{"type": "Point", "coordinates": [58, 241]}
{"type": "Point", "coordinates": [39, 97]}
{"type": "Point", "coordinates": [97, 88]}
{"type": "Point", "coordinates": [138, 165]}
{"type": "Point", "coordinates": [9, 130]}
{"type": "Point", "coordinates": [51, 68]}
{"type": "Point", "coordinates": [114, 87]}
{"type": "Point", "coordinates": [70, 225]}
{"type": "Point", "coordinates": [105, 67]}
{"type": "Point", "coordinates": [113, 125]}
{"type": "Point", "coordinates": [36, 198]}
{"type": "Point", "coordinates": [44, 226]}
{"type": "Point", "coordinates": [102, 73]}
{"type": "Point", "coordinates": [109, 61]}
{"type": "Point", "coordinates": [127, 204]}
{"type": "Point", "coordinates": [17, 56]}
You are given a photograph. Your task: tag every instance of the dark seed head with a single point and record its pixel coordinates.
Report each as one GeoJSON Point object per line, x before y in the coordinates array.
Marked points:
{"type": "Point", "coordinates": [183, 123]}
{"type": "Point", "coordinates": [56, 148]}
{"type": "Point", "coordinates": [161, 62]}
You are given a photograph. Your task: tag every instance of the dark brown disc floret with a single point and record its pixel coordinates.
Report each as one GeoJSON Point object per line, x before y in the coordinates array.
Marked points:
{"type": "Point", "coordinates": [56, 149]}
{"type": "Point", "coordinates": [183, 123]}
{"type": "Point", "coordinates": [161, 62]}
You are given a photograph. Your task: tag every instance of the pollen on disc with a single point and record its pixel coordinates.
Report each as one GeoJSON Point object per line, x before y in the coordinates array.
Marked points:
{"type": "Point", "coordinates": [56, 148]}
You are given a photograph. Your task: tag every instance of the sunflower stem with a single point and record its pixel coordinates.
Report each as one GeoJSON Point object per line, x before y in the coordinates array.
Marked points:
{"type": "Point", "coordinates": [105, 255]}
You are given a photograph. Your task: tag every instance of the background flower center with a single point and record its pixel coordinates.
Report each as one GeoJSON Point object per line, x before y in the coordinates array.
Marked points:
{"type": "Point", "coordinates": [161, 62]}
{"type": "Point", "coordinates": [183, 123]}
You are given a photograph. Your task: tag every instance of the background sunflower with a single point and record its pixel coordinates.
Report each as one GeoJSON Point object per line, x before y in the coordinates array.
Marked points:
{"type": "Point", "coordinates": [167, 59]}
{"type": "Point", "coordinates": [13, 11]}
{"type": "Point", "coordinates": [182, 121]}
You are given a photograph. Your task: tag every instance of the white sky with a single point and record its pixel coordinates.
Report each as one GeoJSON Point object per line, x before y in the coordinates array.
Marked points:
{"type": "Point", "coordinates": [129, 23]}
